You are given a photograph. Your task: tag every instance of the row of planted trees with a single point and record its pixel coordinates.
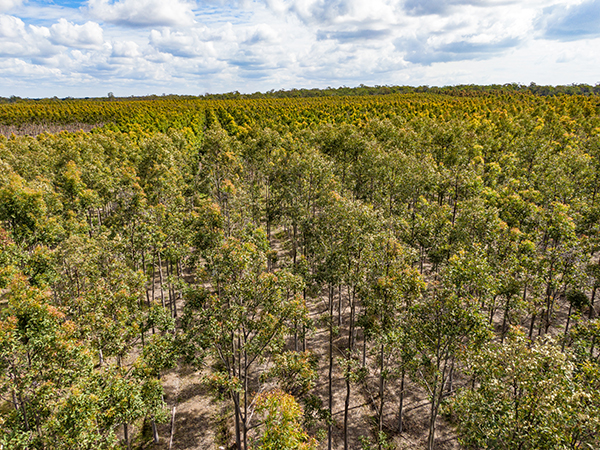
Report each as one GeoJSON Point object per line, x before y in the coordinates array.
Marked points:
{"type": "Point", "coordinates": [453, 256]}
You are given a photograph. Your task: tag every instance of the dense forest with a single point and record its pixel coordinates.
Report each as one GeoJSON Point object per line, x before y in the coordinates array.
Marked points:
{"type": "Point", "coordinates": [369, 269]}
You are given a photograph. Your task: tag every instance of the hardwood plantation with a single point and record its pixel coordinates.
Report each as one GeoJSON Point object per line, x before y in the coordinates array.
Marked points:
{"type": "Point", "coordinates": [337, 272]}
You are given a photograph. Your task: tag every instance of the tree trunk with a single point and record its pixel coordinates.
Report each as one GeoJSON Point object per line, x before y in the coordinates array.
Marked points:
{"type": "Point", "coordinates": [492, 309]}
{"type": "Point", "coordinates": [505, 318]}
{"type": "Point", "coordinates": [432, 420]}
{"type": "Point", "coordinates": [238, 433]}
{"type": "Point", "coordinates": [330, 375]}
{"type": "Point", "coordinates": [169, 287]}
{"type": "Point", "coordinates": [364, 351]}
{"type": "Point", "coordinates": [295, 243]}
{"type": "Point", "coordinates": [245, 416]}
{"type": "Point", "coordinates": [346, 411]}
{"type": "Point", "coordinates": [381, 394]}
{"type": "Point", "coordinates": [340, 305]}
{"type": "Point", "coordinates": [24, 409]}
{"type": "Point", "coordinates": [14, 399]}
{"type": "Point", "coordinates": [531, 326]}
{"type": "Point", "coordinates": [126, 436]}
{"type": "Point", "coordinates": [348, 355]}
{"type": "Point", "coordinates": [172, 427]}
{"type": "Point", "coordinates": [160, 279]}
{"type": "Point", "coordinates": [401, 405]}
{"type": "Point", "coordinates": [451, 376]}
{"type": "Point", "coordinates": [591, 315]}
{"type": "Point", "coordinates": [155, 436]}
{"type": "Point", "coordinates": [303, 325]}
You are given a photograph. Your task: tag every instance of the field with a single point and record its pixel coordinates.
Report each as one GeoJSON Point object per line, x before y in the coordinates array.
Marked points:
{"type": "Point", "coordinates": [402, 270]}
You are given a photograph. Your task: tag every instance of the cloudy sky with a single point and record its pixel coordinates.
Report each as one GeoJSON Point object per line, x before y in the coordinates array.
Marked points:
{"type": "Point", "coordinates": [138, 47]}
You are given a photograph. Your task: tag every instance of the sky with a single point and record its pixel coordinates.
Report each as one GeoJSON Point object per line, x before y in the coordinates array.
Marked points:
{"type": "Point", "coordinates": [141, 47]}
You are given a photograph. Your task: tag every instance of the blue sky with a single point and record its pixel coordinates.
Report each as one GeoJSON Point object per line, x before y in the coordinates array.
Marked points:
{"type": "Point", "coordinates": [138, 47]}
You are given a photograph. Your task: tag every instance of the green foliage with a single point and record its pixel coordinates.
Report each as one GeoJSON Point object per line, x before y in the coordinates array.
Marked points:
{"type": "Point", "coordinates": [282, 428]}
{"type": "Point", "coordinates": [526, 396]}
{"type": "Point", "coordinates": [295, 372]}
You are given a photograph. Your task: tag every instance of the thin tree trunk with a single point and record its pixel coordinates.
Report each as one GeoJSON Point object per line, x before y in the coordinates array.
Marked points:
{"type": "Point", "coordinates": [591, 315]}
{"type": "Point", "coordinates": [381, 394]}
{"type": "Point", "coordinates": [155, 436]}
{"type": "Point", "coordinates": [126, 436]}
{"type": "Point", "coordinates": [432, 420]}
{"type": "Point", "coordinates": [531, 326]}
{"type": "Point", "coordinates": [14, 399]}
{"type": "Point", "coordinates": [492, 309]}
{"type": "Point", "coordinates": [568, 321]}
{"type": "Point", "coordinates": [245, 417]}
{"type": "Point", "coordinates": [455, 200]}
{"type": "Point", "coordinates": [340, 306]}
{"type": "Point", "coordinates": [505, 318]}
{"type": "Point", "coordinates": [364, 350]}
{"type": "Point", "coordinates": [346, 411]}
{"type": "Point", "coordinates": [24, 409]}
{"type": "Point", "coordinates": [295, 243]}
{"type": "Point", "coordinates": [160, 279]}
{"type": "Point", "coordinates": [172, 427]}
{"type": "Point", "coordinates": [169, 287]}
{"type": "Point", "coordinates": [451, 376]}
{"type": "Point", "coordinates": [348, 355]}
{"type": "Point", "coordinates": [303, 325]}
{"type": "Point", "coordinates": [330, 374]}
{"type": "Point", "coordinates": [401, 403]}
{"type": "Point", "coordinates": [238, 433]}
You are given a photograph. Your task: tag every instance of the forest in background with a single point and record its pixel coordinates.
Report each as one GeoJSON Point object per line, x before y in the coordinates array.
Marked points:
{"type": "Point", "coordinates": [302, 254]}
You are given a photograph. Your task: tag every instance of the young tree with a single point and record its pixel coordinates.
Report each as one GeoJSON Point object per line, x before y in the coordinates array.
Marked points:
{"type": "Point", "coordinates": [389, 291]}
{"type": "Point", "coordinates": [245, 318]}
{"type": "Point", "coordinates": [282, 423]}
{"type": "Point", "coordinates": [527, 397]}
{"type": "Point", "coordinates": [441, 327]}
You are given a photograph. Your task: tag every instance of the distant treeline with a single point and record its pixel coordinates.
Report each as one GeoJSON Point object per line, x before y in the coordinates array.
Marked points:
{"type": "Point", "coordinates": [459, 90]}
{"type": "Point", "coordinates": [362, 90]}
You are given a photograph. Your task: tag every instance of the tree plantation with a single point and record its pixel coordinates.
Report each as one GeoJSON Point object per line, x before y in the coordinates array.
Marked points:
{"type": "Point", "coordinates": [401, 270]}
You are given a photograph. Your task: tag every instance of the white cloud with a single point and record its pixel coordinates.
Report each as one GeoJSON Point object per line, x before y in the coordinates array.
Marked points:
{"type": "Point", "coordinates": [339, 11]}
{"type": "Point", "coordinates": [143, 13]}
{"type": "Point", "coordinates": [68, 34]}
{"type": "Point", "coordinates": [261, 33]}
{"type": "Point", "coordinates": [196, 42]}
{"type": "Point", "coordinates": [18, 39]}
{"type": "Point", "coordinates": [18, 69]}
{"type": "Point", "coordinates": [125, 49]}
{"type": "Point", "coordinates": [7, 5]}
{"type": "Point", "coordinates": [11, 27]}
